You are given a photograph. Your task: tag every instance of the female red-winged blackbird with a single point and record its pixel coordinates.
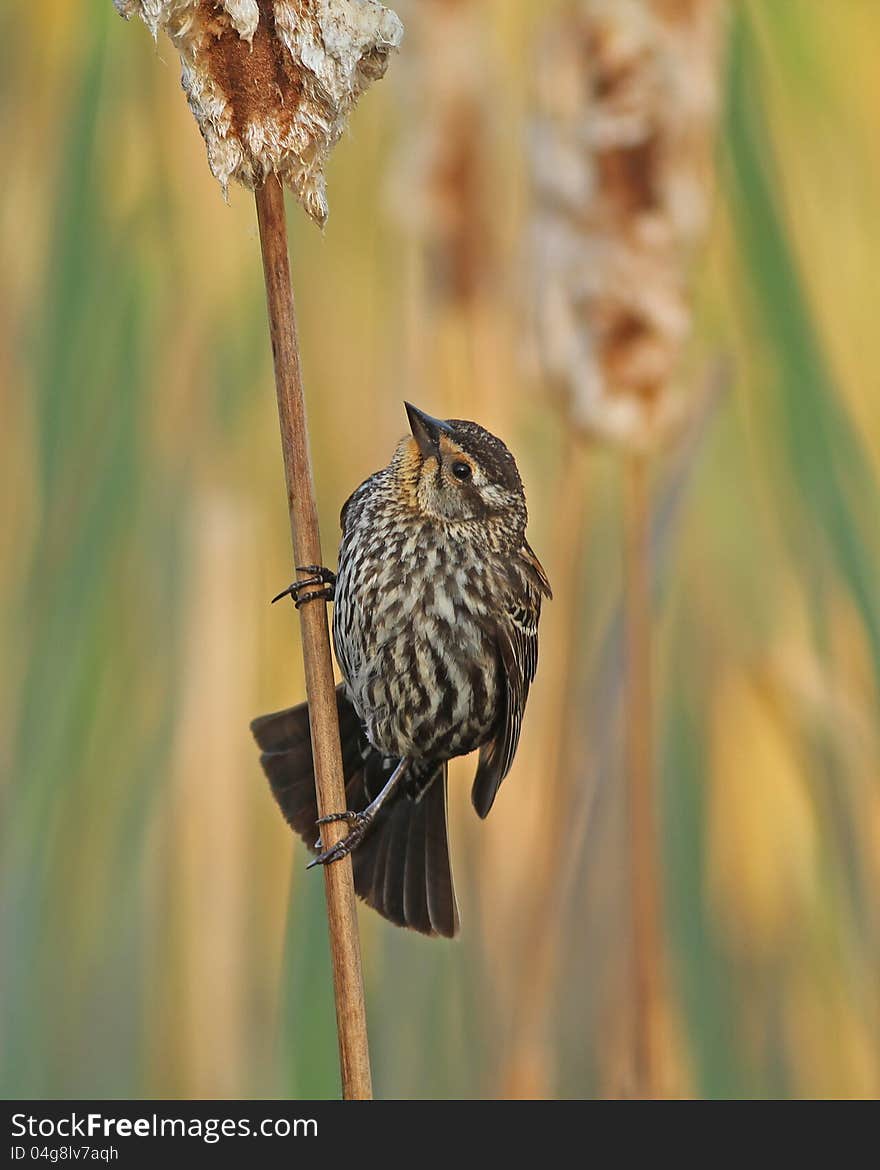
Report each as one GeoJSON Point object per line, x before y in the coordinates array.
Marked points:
{"type": "Point", "coordinates": [437, 600]}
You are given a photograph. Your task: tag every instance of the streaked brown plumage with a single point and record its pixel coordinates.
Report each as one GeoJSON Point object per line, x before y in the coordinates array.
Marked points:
{"type": "Point", "coordinates": [437, 600]}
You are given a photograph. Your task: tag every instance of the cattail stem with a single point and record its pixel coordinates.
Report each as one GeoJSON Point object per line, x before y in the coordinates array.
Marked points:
{"type": "Point", "coordinates": [647, 955]}
{"type": "Point", "coordinates": [351, 1020]}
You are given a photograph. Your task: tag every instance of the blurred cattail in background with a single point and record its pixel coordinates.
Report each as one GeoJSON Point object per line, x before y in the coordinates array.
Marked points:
{"type": "Point", "coordinates": [621, 155]}
{"type": "Point", "coordinates": [442, 193]}
{"type": "Point", "coordinates": [440, 186]}
{"type": "Point", "coordinates": [621, 151]}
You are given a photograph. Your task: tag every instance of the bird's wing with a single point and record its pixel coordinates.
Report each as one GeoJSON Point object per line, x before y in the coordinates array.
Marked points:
{"type": "Point", "coordinates": [516, 637]}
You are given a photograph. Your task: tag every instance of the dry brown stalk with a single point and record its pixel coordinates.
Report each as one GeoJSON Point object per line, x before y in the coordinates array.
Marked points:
{"type": "Point", "coordinates": [528, 1068]}
{"type": "Point", "coordinates": [648, 958]}
{"type": "Point", "coordinates": [351, 1019]}
{"type": "Point", "coordinates": [271, 84]}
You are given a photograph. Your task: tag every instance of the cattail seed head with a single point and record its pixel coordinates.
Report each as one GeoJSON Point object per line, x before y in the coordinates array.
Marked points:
{"type": "Point", "coordinates": [271, 82]}
{"type": "Point", "coordinates": [621, 171]}
{"type": "Point", "coordinates": [441, 176]}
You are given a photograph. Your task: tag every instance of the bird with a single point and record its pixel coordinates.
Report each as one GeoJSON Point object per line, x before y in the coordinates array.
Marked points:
{"type": "Point", "coordinates": [437, 598]}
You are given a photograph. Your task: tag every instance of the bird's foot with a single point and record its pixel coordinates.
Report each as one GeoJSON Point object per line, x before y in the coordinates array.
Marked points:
{"type": "Point", "coordinates": [359, 823]}
{"type": "Point", "coordinates": [318, 575]}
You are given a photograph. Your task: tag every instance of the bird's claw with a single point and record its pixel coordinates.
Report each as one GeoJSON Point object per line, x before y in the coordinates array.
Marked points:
{"type": "Point", "coordinates": [359, 823]}
{"type": "Point", "coordinates": [318, 575]}
{"type": "Point", "coordinates": [351, 817]}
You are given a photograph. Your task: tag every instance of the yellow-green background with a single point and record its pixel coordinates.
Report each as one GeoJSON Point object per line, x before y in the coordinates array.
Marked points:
{"type": "Point", "coordinates": [159, 935]}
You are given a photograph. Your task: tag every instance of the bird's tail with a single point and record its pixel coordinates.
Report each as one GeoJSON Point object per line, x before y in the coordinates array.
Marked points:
{"type": "Point", "coordinates": [402, 866]}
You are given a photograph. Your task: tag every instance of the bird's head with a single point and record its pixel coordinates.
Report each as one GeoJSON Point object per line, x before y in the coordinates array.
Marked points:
{"type": "Point", "coordinates": [457, 471]}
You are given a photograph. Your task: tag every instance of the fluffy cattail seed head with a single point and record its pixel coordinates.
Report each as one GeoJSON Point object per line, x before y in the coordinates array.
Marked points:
{"type": "Point", "coordinates": [271, 82]}
{"type": "Point", "coordinates": [441, 177]}
{"type": "Point", "coordinates": [621, 170]}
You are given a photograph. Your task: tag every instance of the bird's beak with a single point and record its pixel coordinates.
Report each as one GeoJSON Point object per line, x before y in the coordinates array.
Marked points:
{"type": "Point", "coordinates": [426, 430]}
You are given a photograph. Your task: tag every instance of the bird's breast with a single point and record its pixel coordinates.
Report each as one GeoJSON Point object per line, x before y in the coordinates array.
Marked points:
{"type": "Point", "coordinates": [411, 634]}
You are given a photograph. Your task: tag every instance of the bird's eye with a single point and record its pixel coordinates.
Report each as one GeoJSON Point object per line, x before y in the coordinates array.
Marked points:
{"type": "Point", "coordinates": [461, 470]}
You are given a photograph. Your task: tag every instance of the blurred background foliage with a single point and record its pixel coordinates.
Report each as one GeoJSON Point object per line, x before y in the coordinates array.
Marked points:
{"type": "Point", "coordinates": [158, 933]}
